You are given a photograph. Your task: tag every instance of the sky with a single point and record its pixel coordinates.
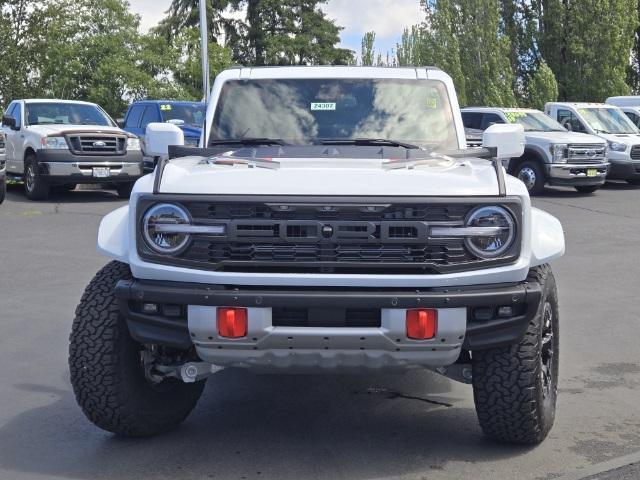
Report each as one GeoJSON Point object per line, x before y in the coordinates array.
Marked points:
{"type": "Point", "coordinates": [387, 18]}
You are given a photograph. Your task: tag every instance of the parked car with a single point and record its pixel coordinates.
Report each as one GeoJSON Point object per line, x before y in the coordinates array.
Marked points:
{"type": "Point", "coordinates": [188, 116]}
{"type": "Point", "coordinates": [609, 123]}
{"type": "Point", "coordinates": [335, 237]}
{"type": "Point", "coordinates": [630, 105]}
{"type": "Point", "coordinates": [552, 155]}
{"type": "Point", "coordinates": [3, 169]}
{"type": "Point", "coordinates": [62, 143]}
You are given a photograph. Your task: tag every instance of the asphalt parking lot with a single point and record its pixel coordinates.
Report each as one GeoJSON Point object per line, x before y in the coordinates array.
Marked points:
{"type": "Point", "coordinates": [337, 427]}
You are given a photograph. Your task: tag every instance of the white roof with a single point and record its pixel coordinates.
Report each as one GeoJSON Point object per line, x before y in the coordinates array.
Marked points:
{"type": "Point", "coordinates": [499, 109]}
{"type": "Point", "coordinates": [332, 71]}
{"type": "Point", "coordinates": [579, 104]}
{"type": "Point", "coordinates": [55, 100]}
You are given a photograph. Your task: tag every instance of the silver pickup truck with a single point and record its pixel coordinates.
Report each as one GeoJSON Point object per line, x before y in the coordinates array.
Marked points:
{"type": "Point", "coordinates": [552, 154]}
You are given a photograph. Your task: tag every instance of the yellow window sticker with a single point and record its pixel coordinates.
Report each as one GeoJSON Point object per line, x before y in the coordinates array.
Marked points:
{"type": "Point", "coordinates": [432, 103]}
{"type": "Point", "coordinates": [512, 117]}
{"type": "Point", "coordinates": [165, 108]}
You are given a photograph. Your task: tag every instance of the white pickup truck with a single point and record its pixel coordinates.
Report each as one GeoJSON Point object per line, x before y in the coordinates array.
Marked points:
{"type": "Point", "coordinates": [335, 221]}
{"type": "Point", "coordinates": [630, 105]}
{"type": "Point", "coordinates": [62, 143]}
{"type": "Point", "coordinates": [552, 155]}
{"type": "Point", "coordinates": [609, 123]}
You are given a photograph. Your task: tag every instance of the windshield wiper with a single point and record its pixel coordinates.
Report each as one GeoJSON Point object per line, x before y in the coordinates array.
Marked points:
{"type": "Point", "coordinates": [248, 141]}
{"type": "Point", "coordinates": [367, 142]}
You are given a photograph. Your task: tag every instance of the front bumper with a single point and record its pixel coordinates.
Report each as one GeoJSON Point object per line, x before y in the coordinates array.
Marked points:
{"type": "Point", "coordinates": [571, 174]}
{"type": "Point", "coordinates": [624, 170]}
{"type": "Point", "coordinates": [61, 166]}
{"type": "Point", "coordinates": [187, 317]}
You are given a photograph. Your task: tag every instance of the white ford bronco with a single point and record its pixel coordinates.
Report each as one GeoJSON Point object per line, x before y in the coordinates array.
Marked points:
{"type": "Point", "coordinates": [552, 155]}
{"type": "Point", "coordinates": [609, 123]}
{"type": "Point", "coordinates": [62, 143]}
{"type": "Point", "coordinates": [332, 221]}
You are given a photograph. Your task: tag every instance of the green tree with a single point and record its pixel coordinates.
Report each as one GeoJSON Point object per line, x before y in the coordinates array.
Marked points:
{"type": "Point", "coordinates": [273, 32]}
{"type": "Point", "coordinates": [543, 87]}
{"type": "Point", "coordinates": [367, 52]}
{"type": "Point", "coordinates": [588, 45]}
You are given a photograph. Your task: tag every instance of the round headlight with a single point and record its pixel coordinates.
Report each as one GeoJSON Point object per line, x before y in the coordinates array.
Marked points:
{"type": "Point", "coordinates": [159, 228]}
{"type": "Point", "coordinates": [498, 235]}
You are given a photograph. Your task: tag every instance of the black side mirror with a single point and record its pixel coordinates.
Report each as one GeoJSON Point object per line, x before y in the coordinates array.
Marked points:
{"type": "Point", "coordinates": [9, 121]}
{"type": "Point", "coordinates": [120, 122]}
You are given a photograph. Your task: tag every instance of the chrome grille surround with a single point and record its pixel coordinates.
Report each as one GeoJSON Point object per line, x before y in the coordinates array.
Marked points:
{"type": "Point", "coordinates": [586, 153]}
{"type": "Point", "coordinates": [97, 144]}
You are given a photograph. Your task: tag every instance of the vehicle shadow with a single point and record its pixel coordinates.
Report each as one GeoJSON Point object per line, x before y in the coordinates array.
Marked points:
{"type": "Point", "coordinates": [567, 192]}
{"type": "Point", "coordinates": [285, 427]}
{"type": "Point", "coordinates": [82, 194]}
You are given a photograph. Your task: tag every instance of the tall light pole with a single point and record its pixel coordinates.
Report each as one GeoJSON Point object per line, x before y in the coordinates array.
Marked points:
{"type": "Point", "coordinates": [204, 49]}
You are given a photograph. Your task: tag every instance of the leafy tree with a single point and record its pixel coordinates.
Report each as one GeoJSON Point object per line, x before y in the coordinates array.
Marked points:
{"type": "Point", "coordinates": [588, 45]}
{"type": "Point", "coordinates": [367, 53]}
{"type": "Point", "coordinates": [543, 87]}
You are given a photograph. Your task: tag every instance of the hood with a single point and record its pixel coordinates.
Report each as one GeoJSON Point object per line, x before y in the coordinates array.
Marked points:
{"type": "Point", "coordinates": [191, 131]}
{"type": "Point", "coordinates": [61, 129]}
{"type": "Point", "coordinates": [331, 177]}
{"type": "Point", "coordinates": [563, 137]}
{"type": "Point", "coordinates": [626, 138]}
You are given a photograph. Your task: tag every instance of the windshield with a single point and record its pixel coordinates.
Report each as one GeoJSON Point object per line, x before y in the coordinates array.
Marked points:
{"type": "Point", "coordinates": [189, 114]}
{"type": "Point", "coordinates": [66, 114]}
{"type": "Point", "coordinates": [309, 111]}
{"type": "Point", "coordinates": [534, 121]}
{"type": "Point", "coordinates": [608, 120]}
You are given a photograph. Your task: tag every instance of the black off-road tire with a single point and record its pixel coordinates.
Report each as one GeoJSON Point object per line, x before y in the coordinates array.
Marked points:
{"type": "Point", "coordinates": [107, 374]}
{"type": "Point", "coordinates": [35, 187]}
{"type": "Point", "coordinates": [124, 190]}
{"type": "Point", "coordinates": [513, 401]}
{"type": "Point", "coordinates": [587, 188]}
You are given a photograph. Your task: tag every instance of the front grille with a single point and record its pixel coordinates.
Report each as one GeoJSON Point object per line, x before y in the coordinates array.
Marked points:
{"type": "Point", "coordinates": [352, 236]}
{"type": "Point", "coordinates": [586, 153]}
{"type": "Point", "coordinates": [98, 144]}
{"type": "Point", "coordinates": [326, 317]}
{"type": "Point", "coordinates": [635, 152]}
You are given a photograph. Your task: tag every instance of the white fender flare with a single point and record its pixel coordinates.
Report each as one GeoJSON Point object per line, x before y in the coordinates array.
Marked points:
{"type": "Point", "coordinates": [113, 235]}
{"type": "Point", "coordinates": [547, 241]}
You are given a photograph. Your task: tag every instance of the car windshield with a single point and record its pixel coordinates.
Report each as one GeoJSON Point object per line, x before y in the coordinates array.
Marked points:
{"type": "Point", "coordinates": [533, 121]}
{"type": "Point", "coordinates": [183, 113]}
{"type": "Point", "coordinates": [66, 114]}
{"type": "Point", "coordinates": [313, 111]}
{"type": "Point", "coordinates": [608, 120]}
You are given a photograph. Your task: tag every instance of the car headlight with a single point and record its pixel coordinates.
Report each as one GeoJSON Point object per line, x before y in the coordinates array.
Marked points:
{"type": "Point", "coordinates": [495, 231]}
{"type": "Point", "coordinates": [559, 152]}
{"type": "Point", "coordinates": [617, 147]}
{"type": "Point", "coordinates": [192, 141]}
{"type": "Point", "coordinates": [55, 143]}
{"type": "Point", "coordinates": [161, 228]}
{"type": "Point", "coordinates": [133, 143]}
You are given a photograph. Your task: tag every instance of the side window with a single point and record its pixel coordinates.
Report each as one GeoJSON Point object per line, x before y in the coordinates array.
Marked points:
{"type": "Point", "coordinates": [150, 115]}
{"type": "Point", "coordinates": [135, 114]}
{"type": "Point", "coordinates": [17, 114]}
{"type": "Point", "coordinates": [471, 120]}
{"type": "Point", "coordinates": [633, 117]}
{"type": "Point", "coordinates": [568, 119]}
{"type": "Point", "coordinates": [489, 119]}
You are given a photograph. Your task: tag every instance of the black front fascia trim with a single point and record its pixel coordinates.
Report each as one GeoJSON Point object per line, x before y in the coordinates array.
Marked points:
{"type": "Point", "coordinates": [480, 335]}
{"type": "Point", "coordinates": [512, 203]}
{"type": "Point", "coordinates": [65, 156]}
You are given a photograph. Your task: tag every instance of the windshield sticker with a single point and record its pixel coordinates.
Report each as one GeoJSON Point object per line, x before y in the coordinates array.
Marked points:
{"type": "Point", "coordinates": [326, 106]}
{"type": "Point", "coordinates": [512, 117]}
{"type": "Point", "coordinates": [432, 103]}
{"type": "Point", "coordinates": [165, 108]}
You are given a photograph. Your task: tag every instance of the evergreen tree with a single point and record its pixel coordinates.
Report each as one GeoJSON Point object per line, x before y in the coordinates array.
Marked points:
{"type": "Point", "coordinates": [273, 32]}
{"type": "Point", "coordinates": [367, 53]}
{"type": "Point", "coordinates": [543, 87]}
